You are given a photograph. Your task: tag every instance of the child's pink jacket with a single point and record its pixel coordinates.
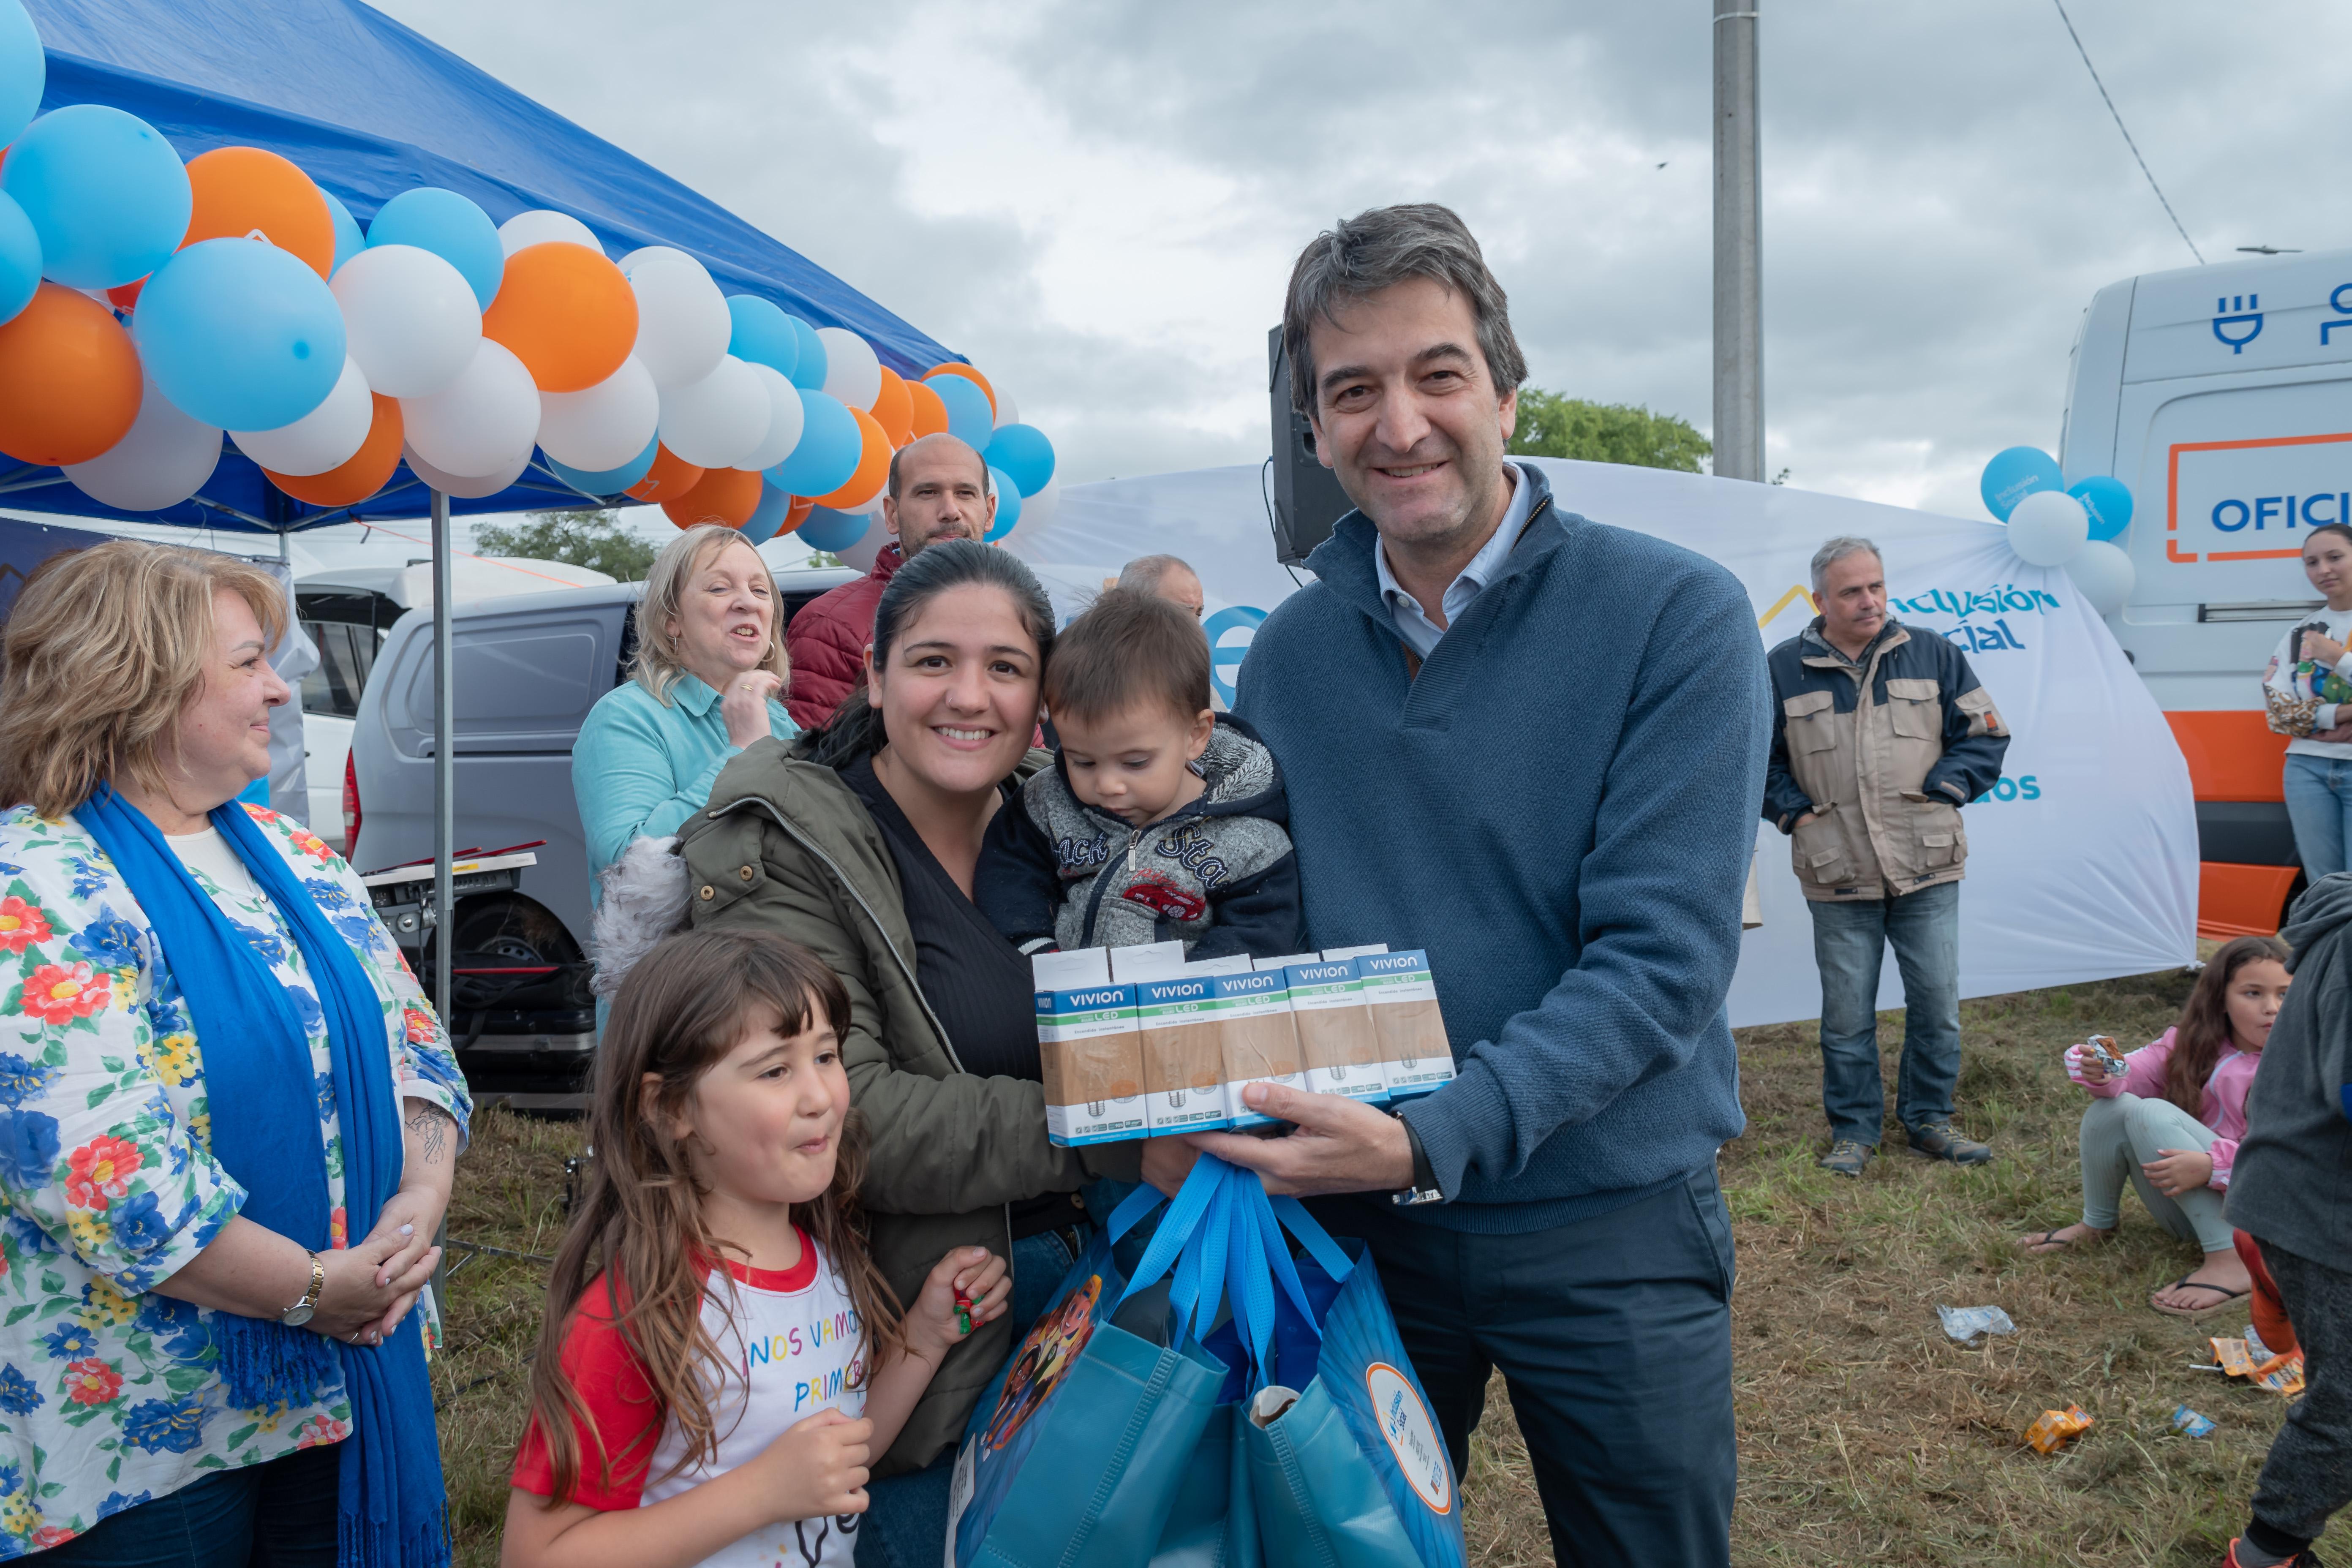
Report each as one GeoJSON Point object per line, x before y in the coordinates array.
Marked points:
{"type": "Point", "coordinates": [2224, 1105]}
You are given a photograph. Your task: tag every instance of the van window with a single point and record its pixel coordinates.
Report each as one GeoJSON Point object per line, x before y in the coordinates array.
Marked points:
{"type": "Point", "coordinates": [346, 652]}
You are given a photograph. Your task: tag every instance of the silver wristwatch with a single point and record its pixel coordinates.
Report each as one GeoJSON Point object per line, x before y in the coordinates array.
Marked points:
{"type": "Point", "coordinates": [295, 1316]}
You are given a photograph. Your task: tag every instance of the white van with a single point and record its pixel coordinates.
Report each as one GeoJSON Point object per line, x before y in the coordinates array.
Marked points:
{"type": "Point", "coordinates": [2222, 396]}
{"type": "Point", "coordinates": [347, 611]}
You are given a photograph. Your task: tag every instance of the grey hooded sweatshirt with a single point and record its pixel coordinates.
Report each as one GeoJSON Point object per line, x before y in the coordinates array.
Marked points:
{"type": "Point", "coordinates": [2291, 1186]}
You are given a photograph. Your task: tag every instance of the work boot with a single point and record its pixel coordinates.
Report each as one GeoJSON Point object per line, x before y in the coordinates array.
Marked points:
{"type": "Point", "coordinates": [1942, 1140]}
{"type": "Point", "coordinates": [1846, 1157]}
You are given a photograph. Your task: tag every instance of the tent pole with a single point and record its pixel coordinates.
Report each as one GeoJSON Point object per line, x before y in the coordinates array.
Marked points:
{"type": "Point", "coordinates": [445, 819]}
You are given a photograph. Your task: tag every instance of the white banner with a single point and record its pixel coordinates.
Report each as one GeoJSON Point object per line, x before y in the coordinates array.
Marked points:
{"type": "Point", "coordinates": [2083, 860]}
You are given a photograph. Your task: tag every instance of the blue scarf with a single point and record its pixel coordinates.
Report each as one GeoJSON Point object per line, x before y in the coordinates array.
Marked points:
{"type": "Point", "coordinates": [265, 1132]}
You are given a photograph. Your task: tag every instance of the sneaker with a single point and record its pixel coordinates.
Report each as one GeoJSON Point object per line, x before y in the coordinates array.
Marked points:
{"type": "Point", "coordinates": [1846, 1157]}
{"type": "Point", "coordinates": [2306, 1558]}
{"type": "Point", "coordinates": [1942, 1140]}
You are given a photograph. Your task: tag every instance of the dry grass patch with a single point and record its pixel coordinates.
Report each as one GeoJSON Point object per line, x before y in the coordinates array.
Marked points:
{"type": "Point", "coordinates": [1864, 1434]}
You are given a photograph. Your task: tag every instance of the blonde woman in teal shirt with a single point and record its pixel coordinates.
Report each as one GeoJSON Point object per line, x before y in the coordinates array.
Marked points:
{"type": "Point", "coordinates": [707, 680]}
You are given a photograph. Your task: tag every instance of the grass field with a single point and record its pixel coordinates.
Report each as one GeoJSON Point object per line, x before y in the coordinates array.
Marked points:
{"type": "Point", "coordinates": [1864, 1434]}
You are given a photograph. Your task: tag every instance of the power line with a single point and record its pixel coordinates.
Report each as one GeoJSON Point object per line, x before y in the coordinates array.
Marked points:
{"type": "Point", "coordinates": [2128, 135]}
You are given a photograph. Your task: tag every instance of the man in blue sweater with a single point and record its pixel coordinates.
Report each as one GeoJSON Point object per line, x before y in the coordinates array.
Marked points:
{"type": "Point", "coordinates": [1534, 745]}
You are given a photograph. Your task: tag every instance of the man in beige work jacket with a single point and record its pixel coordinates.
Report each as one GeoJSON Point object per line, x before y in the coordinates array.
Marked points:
{"type": "Point", "coordinates": [1880, 733]}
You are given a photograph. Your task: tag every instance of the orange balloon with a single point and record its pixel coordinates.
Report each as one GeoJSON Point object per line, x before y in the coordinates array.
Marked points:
{"type": "Point", "coordinates": [873, 466]}
{"type": "Point", "coordinates": [243, 192]}
{"type": "Point", "coordinates": [368, 471]}
{"type": "Point", "coordinates": [669, 477]}
{"type": "Point", "coordinates": [70, 381]}
{"type": "Point", "coordinates": [929, 415]}
{"type": "Point", "coordinates": [722, 495]}
{"type": "Point", "coordinates": [799, 514]}
{"type": "Point", "coordinates": [970, 375]}
{"type": "Point", "coordinates": [567, 313]}
{"type": "Point", "coordinates": [894, 410]}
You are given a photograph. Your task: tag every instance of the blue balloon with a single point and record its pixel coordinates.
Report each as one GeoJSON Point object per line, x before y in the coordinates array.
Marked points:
{"type": "Point", "coordinates": [24, 71]}
{"type": "Point", "coordinates": [825, 529]}
{"type": "Point", "coordinates": [20, 259]}
{"type": "Point", "coordinates": [769, 516]}
{"type": "Point", "coordinates": [349, 240]}
{"type": "Point", "coordinates": [830, 447]}
{"type": "Point", "coordinates": [106, 193]}
{"type": "Point", "coordinates": [763, 334]}
{"type": "Point", "coordinates": [1008, 506]}
{"type": "Point", "coordinates": [808, 374]}
{"type": "Point", "coordinates": [240, 334]}
{"type": "Point", "coordinates": [2015, 473]}
{"type": "Point", "coordinates": [609, 481]}
{"type": "Point", "coordinates": [970, 418]}
{"type": "Point", "coordinates": [2109, 502]}
{"type": "Point", "coordinates": [1021, 451]}
{"type": "Point", "coordinates": [452, 228]}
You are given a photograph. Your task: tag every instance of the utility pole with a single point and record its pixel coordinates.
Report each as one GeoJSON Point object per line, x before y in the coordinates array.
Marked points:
{"type": "Point", "coordinates": [1739, 275]}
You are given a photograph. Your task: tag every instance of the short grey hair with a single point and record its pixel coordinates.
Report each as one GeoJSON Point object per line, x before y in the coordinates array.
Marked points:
{"type": "Point", "coordinates": [1836, 549]}
{"type": "Point", "coordinates": [1145, 571]}
{"type": "Point", "coordinates": [1384, 246]}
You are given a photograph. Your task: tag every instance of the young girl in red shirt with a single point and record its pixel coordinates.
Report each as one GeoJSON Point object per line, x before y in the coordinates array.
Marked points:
{"type": "Point", "coordinates": [721, 1358]}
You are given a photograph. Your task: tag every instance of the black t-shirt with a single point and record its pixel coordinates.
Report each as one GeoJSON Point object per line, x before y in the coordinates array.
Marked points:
{"type": "Point", "coordinates": [976, 981]}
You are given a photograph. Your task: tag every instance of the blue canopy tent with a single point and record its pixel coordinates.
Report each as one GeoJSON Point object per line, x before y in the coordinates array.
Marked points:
{"type": "Point", "coordinates": [370, 108]}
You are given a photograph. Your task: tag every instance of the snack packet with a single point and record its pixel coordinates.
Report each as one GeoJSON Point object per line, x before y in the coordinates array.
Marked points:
{"type": "Point", "coordinates": [2188, 1423]}
{"type": "Point", "coordinates": [2053, 1429]}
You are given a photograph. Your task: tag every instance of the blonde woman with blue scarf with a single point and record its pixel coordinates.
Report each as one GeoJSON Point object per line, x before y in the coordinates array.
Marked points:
{"type": "Point", "coordinates": [228, 1119]}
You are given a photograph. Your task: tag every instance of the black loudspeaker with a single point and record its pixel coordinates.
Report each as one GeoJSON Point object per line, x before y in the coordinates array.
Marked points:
{"type": "Point", "coordinates": [1307, 499]}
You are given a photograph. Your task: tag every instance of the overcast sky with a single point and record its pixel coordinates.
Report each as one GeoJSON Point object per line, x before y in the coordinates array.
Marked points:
{"type": "Point", "coordinates": [1099, 202]}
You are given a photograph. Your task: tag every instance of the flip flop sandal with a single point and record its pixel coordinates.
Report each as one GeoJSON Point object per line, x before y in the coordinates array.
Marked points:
{"type": "Point", "coordinates": [2193, 1313]}
{"type": "Point", "coordinates": [2048, 1241]}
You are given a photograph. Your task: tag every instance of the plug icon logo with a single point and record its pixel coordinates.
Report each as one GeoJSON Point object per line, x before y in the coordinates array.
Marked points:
{"type": "Point", "coordinates": [2238, 310]}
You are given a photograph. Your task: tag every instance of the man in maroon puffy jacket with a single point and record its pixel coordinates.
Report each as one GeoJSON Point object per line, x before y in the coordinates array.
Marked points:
{"type": "Point", "coordinates": [938, 489]}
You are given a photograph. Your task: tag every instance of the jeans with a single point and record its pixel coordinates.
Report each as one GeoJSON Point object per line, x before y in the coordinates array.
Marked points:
{"type": "Point", "coordinates": [2125, 1131]}
{"type": "Point", "coordinates": [1614, 1336]}
{"type": "Point", "coordinates": [281, 1514]}
{"type": "Point", "coordinates": [906, 1521]}
{"type": "Point", "coordinates": [1849, 942]}
{"type": "Point", "coordinates": [2318, 793]}
{"type": "Point", "coordinates": [2308, 1476]}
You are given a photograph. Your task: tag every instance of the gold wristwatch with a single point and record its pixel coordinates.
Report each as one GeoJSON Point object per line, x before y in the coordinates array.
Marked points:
{"type": "Point", "coordinates": [295, 1316]}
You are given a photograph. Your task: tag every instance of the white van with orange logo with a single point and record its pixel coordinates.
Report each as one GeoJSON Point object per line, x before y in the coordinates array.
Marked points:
{"type": "Point", "coordinates": [2223, 396]}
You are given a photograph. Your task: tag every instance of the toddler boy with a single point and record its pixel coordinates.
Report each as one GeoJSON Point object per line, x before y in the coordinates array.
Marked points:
{"type": "Point", "coordinates": [1159, 819]}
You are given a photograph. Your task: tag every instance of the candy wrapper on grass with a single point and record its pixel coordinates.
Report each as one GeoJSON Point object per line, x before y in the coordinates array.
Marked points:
{"type": "Point", "coordinates": [2188, 1423]}
{"type": "Point", "coordinates": [2053, 1429]}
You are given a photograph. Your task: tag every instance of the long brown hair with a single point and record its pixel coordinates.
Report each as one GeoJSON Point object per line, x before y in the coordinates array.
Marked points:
{"type": "Point", "coordinates": [637, 1234]}
{"type": "Point", "coordinates": [2204, 1033]}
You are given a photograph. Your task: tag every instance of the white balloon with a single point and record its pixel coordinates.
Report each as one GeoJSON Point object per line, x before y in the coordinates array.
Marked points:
{"type": "Point", "coordinates": [1038, 509]}
{"type": "Point", "coordinates": [464, 487]}
{"type": "Point", "coordinates": [785, 418]}
{"type": "Point", "coordinates": [2049, 528]}
{"type": "Point", "coordinates": [410, 318]}
{"type": "Point", "coordinates": [327, 438]}
{"type": "Point", "coordinates": [2105, 575]}
{"type": "Point", "coordinates": [1006, 413]}
{"type": "Point", "coordinates": [683, 324]}
{"type": "Point", "coordinates": [605, 426]}
{"type": "Point", "coordinates": [852, 374]}
{"type": "Point", "coordinates": [540, 226]}
{"type": "Point", "coordinates": [483, 422]}
{"type": "Point", "coordinates": [162, 459]}
{"type": "Point", "coordinates": [719, 421]}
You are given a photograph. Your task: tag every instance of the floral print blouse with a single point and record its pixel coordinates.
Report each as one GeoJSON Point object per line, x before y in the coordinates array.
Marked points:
{"type": "Point", "coordinates": [107, 1395]}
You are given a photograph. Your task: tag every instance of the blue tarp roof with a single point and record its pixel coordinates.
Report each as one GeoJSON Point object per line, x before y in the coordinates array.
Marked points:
{"type": "Point", "coordinates": [370, 108]}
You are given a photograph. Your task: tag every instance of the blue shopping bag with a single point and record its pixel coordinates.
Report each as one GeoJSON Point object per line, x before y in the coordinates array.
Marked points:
{"type": "Point", "coordinates": [1346, 1465]}
{"type": "Point", "coordinates": [1079, 1450]}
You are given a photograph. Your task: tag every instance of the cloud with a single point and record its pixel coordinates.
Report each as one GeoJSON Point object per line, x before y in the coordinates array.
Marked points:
{"type": "Point", "coordinates": [1099, 202]}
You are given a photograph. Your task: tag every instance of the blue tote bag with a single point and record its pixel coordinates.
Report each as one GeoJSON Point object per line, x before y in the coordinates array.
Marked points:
{"type": "Point", "coordinates": [1080, 1451]}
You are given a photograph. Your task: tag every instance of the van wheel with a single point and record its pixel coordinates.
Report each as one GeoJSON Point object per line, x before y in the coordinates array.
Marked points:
{"type": "Point", "coordinates": [511, 932]}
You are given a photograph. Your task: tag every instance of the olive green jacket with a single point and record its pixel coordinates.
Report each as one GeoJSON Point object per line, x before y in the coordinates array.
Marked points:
{"type": "Point", "coordinates": [785, 845]}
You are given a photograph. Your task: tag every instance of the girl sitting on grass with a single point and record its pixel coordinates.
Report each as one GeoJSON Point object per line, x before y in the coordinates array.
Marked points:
{"type": "Point", "coordinates": [721, 1356]}
{"type": "Point", "coordinates": [2172, 1124]}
